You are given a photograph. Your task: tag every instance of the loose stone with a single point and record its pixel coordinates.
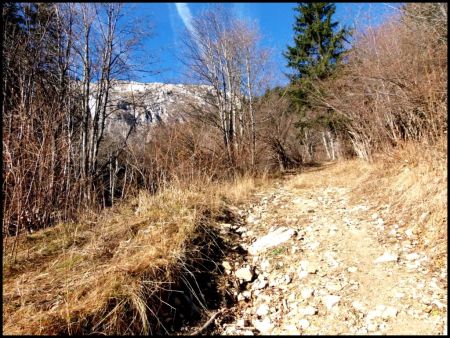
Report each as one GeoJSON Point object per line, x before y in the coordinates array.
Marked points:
{"type": "Point", "coordinates": [390, 312]}
{"type": "Point", "coordinates": [306, 293]}
{"type": "Point", "coordinates": [352, 269]}
{"type": "Point", "coordinates": [226, 265]}
{"type": "Point", "coordinates": [358, 306]}
{"type": "Point", "coordinates": [307, 311]}
{"type": "Point", "coordinates": [386, 257]}
{"type": "Point", "coordinates": [245, 274]}
{"type": "Point", "coordinates": [262, 310]}
{"type": "Point", "coordinates": [272, 239]}
{"type": "Point", "coordinates": [330, 300]}
{"type": "Point", "coordinates": [303, 324]}
{"type": "Point", "coordinates": [412, 256]}
{"type": "Point", "coordinates": [263, 326]}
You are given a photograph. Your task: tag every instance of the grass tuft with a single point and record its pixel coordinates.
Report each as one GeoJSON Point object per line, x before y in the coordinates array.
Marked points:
{"type": "Point", "coordinates": [107, 274]}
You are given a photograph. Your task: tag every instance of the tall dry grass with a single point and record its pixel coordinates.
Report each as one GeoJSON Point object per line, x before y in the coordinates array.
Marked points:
{"type": "Point", "coordinates": [412, 180]}
{"type": "Point", "coordinates": [109, 273]}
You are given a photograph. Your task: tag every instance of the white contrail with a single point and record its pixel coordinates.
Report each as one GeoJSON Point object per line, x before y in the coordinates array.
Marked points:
{"type": "Point", "coordinates": [185, 14]}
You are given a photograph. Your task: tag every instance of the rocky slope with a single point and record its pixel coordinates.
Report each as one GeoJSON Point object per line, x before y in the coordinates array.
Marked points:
{"type": "Point", "coordinates": [316, 263]}
{"type": "Point", "coordinates": [146, 104]}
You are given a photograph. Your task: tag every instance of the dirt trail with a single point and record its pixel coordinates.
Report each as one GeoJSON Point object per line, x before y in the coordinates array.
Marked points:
{"type": "Point", "coordinates": [340, 270]}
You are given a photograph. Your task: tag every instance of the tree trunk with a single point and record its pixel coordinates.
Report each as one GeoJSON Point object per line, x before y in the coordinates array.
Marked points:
{"type": "Point", "coordinates": [325, 144]}
{"type": "Point", "coordinates": [250, 108]}
{"type": "Point", "coordinates": [332, 145]}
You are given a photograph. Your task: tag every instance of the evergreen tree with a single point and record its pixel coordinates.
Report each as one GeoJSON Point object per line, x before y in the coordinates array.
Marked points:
{"type": "Point", "coordinates": [318, 47]}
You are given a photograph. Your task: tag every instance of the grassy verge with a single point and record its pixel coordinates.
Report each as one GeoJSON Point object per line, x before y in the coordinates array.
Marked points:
{"type": "Point", "coordinates": [407, 186]}
{"type": "Point", "coordinates": [412, 181]}
{"type": "Point", "coordinates": [109, 273]}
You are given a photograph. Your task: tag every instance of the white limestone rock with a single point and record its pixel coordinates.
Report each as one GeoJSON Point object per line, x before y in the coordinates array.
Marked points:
{"type": "Point", "coordinates": [386, 257]}
{"type": "Point", "coordinates": [412, 256]}
{"type": "Point", "coordinates": [330, 300]}
{"type": "Point", "coordinates": [303, 324]}
{"type": "Point", "coordinates": [263, 310]}
{"type": "Point", "coordinates": [307, 311]}
{"type": "Point", "coordinates": [358, 306]}
{"type": "Point", "coordinates": [389, 312]}
{"type": "Point", "coordinates": [307, 292]}
{"type": "Point", "coordinates": [264, 326]}
{"type": "Point", "coordinates": [352, 269]}
{"type": "Point", "coordinates": [274, 238]}
{"type": "Point", "coordinates": [244, 274]}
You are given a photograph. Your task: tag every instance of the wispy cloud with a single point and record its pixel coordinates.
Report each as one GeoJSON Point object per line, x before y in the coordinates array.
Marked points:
{"type": "Point", "coordinates": [185, 14]}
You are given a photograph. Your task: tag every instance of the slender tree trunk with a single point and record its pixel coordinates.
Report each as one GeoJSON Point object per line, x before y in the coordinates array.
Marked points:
{"type": "Point", "coordinates": [332, 145]}
{"type": "Point", "coordinates": [86, 109]}
{"type": "Point", "coordinates": [250, 108]}
{"type": "Point", "coordinates": [325, 144]}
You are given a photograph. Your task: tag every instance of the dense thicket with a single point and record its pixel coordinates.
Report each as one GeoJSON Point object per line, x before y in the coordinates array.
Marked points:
{"type": "Point", "coordinates": [59, 62]}
{"type": "Point", "coordinates": [391, 88]}
{"type": "Point", "coordinates": [39, 113]}
{"type": "Point", "coordinates": [394, 86]}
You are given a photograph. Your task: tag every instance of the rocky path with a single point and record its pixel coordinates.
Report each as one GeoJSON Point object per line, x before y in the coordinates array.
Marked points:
{"type": "Point", "coordinates": [317, 264]}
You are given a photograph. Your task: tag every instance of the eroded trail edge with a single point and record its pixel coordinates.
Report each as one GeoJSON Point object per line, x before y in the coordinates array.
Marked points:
{"type": "Point", "coordinates": [312, 262]}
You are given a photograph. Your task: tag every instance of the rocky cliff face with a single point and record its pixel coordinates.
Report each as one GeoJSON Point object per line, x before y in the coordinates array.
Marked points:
{"type": "Point", "coordinates": [142, 105]}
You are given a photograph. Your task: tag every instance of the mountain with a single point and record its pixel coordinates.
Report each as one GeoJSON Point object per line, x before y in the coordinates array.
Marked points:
{"type": "Point", "coordinates": [140, 105]}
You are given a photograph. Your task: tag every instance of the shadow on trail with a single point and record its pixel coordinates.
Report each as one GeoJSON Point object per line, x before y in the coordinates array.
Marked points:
{"type": "Point", "coordinates": [202, 288]}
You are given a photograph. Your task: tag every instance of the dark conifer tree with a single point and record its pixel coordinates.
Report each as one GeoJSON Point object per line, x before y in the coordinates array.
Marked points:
{"type": "Point", "coordinates": [318, 47]}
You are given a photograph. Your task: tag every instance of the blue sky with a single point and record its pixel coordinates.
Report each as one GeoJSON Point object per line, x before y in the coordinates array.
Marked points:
{"type": "Point", "coordinates": [274, 20]}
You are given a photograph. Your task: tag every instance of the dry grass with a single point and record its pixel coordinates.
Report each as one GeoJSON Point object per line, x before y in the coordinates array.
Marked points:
{"type": "Point", "coordinates": [342, 174]}
{"type": "Point", "coordinates": [412, 180]}
{"type": "Point", "coordinates": [409, 185]}
{"type": "Point", "coordinates": [105, 273]}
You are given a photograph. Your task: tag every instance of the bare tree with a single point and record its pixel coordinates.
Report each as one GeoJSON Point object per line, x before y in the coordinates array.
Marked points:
{"type": "Point", "coordinates": [393, 88]}
{"type": "Point", "coordinates": [255, 64]}
{"type": "Point", "coordinates": [36, 137]}
{"type": "Point", "coordinates": [102, 51]}
{"type": "Point", "coordinates": [222, 52]}
{"type": "Point", "coordinates": [60, 61]}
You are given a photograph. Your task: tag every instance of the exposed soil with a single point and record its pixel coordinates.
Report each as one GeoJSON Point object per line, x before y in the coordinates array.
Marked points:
{"type": "Point", "coordinates": [341, 271]}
